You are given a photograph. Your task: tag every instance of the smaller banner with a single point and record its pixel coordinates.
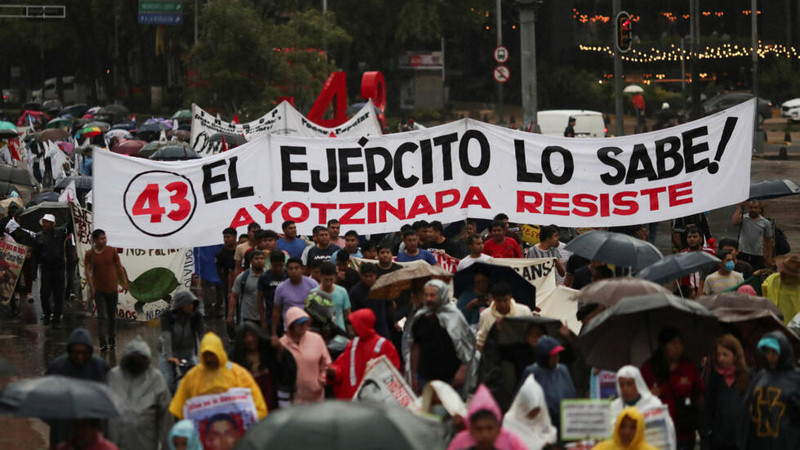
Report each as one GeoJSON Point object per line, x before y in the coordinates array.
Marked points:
{"type": "Point", "coordinates": [585, 419]}
{"type": "Point", "coordinates": [382, 383]}
{"type": "Point", "coordinates": [604, 384]}
{"type": "Point", "coordinates": [12, 256]}
{"type": "Point", "coordinates": [222, 419]}
{"type": "Point", "coordinates": [657, 431]}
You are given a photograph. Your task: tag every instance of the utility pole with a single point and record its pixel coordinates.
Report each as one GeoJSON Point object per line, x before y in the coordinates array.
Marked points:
{"type": "Point", "coordinates": [694, 25]}
{"type": "Point", "coordinates": [618, 106]}
{"type": "Point", "coordinates": [501, 106]}
{"type": "Point", "coordinates": [527, 21]}
{"type": "Point", "coordinates": [754, 38]}
{"type": "Point", "coordinates": [196, 33]}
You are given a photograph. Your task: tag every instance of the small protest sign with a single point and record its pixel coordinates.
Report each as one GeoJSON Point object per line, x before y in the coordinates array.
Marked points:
{"type": "Point", "coordinates": [584, 419]}
{"type": "Point", "coordinates": [222, 419]}
{"type": "Point", "coordinates": [382, 383]}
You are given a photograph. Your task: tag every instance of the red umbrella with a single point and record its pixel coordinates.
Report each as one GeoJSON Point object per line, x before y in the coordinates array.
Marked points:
{"type": "Point", "coordinates": [130, 147]}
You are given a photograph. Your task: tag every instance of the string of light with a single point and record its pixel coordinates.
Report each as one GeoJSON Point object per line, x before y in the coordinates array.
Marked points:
{"type": "Point", "coordinates": [674, 53]}
{"type": "Point", "coordinates": [672, 17]}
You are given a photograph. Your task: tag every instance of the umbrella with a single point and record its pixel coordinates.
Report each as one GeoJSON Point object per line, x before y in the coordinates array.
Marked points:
{"type": "Point", "coordinates": [30, 218]}
{"type": "Point", "coordinates": [181, 135]}
{"type": "Point", "coordinates": [162, 121]}
{"type": "Point", "coordinates": [17, 175]}
{"type": "Point", "coordinates": [678, 265]}
{"type": "Point", "coordinates": [114, 110]}
{"type": "Point", "coordinates": [8, 133]}
{"type": "Point", "coordinates": [53, 135]}
{"type": "Point", "coordinates": [83, 183]}
{"type": "Point", "coordinates": [615, 248]}
{"type": "Point", "coordinates": [392, 284]}
{"type": "Point", "coordinates": [119, 134]}
{"type": "Point", "coordinates": [182, 114]}
{"type": "Point", "coordinates": [130, 147]}
{"type": "Point", "coordinates": [152, 127]}
{"type": "Point", "coordinates": [232, 140]}
{"type": "Point", "coordinates": [174, 152]}
{"type": "Point", "coordinates": [522, 291]}
{"type": "Point", "coordinates": [343, 425]}
{"type": "Point", "coordinates": [103, 126]}
{"type": "Point", "coordinates": [627, 333]}
{"type": "Point", "coordinates": [750, 325]}
{"type": "Point", "coordinates": [7, 188]}
{"type": "Point", "coordinates": [152, 147]}
{"type": "Point", "coordinates": [6, 368]}
{"type": "Point", "coordinates": [59, 397]}
{"type": "Point", "coordinates": [773, 189]}
{"type": "Point", "coordinates": [59, 122]}
{"type": "Point", "coordinates": [52, 105]}
{"type": "Point", "coordinates": [49, 196]}
{"type": "Point", "coordinates": [7, 125]}
{"type": "Point", "coordinates": [127, 126]}
{"type": "Point", "coordinates": [738, 300]}
{"type": "Point", "coordinates": [609, 292]}
{"type": "Point", "coordinates": [632, 89]}
{"type": "Point", "coordinates": [88, 132]}
{"type": "Point", "coordinates": [76, 110]}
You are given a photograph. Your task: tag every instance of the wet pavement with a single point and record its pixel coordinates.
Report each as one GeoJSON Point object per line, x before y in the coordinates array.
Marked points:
{"type": "Point", "coordinates": [30, 346]}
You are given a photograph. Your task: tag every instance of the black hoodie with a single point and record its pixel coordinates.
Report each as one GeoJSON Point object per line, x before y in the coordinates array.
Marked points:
{"type": "Point", "coordinates": [774, 403]}
{"type": "Point", "coordinates": [95, 368]}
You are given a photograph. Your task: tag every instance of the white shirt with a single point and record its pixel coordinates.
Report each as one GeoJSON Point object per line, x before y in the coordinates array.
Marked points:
{"type": "Point", "coordinates": [469, 260]}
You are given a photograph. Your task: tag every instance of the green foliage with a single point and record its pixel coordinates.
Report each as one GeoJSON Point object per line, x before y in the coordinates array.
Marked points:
{"type": "Point", "coordinates": [779, 82]}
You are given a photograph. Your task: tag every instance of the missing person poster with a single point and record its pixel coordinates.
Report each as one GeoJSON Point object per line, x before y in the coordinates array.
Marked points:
{"type": "Point", "coordinates": [222, 419]}
{"type": "Point", "coordinates": [382, 383]}
{"type": "Point", "coordinates": [12, 256]}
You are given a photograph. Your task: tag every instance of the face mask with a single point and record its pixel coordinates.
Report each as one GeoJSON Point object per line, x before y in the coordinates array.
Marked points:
{"type": "Point", "coordinates": [729, 266]}
{"type": "Point", "coordinates": [135, 366]}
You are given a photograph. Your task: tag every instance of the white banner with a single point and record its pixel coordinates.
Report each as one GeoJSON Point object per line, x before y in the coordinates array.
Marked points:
{"type": "Point", "coordinates": [154, 274]}
{"type": "Point", "coordinates": [284, 120]}
{"type": "Point", "coordinates": [446, 173]}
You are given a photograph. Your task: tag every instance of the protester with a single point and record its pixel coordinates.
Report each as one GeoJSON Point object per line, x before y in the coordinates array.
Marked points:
{"type": "Point", "coordinates": [773, 399]}
{"type": "Point", "coordinates": [184, 436]}
{"type": "Point", "coordinates": [437, 342]}
{"type": "Point", "coordinates": [475, 249]}
{"type": "Point", "coordinates": [267, 285]}
{"type": "Point", "coordinates": [333, 230]}
{"type": "Point", "coordinates": [245, 291]}
{"type": "Point", "coordinates": [341, 301]}
{"type": "Point", "coordinates": [359, 299]}
{"type": "Point", "coordinates": [484, 431]}
{"type": "Point", "coordinates": [552, 376]}
{"type": "Point", "coordinates": [783, 288]}
{"type": "Point", "coordinates": [473, 300]}
{"type": "Point", "coordinates": [725, 407]}
{"type": "Point", "coordinates": [503, 305]}
{"type": "Point", "coordinates": [756, 235]}
{"type": "Point", "coordinates": [628, 433]}
{"type": "Point", "coordinates": [632, 391]}
{"type": "Point", "coordinates": [86, 435]}
{"type": "Point", "coordinates": [548, 248]}
{"type": "Point", "coordinates": [290, 242]}
{"type": "Point", "coordinates": [104, 271]}
{"type": "Point", "coordinates": [346, 276]}
{"type": "Point", "coordinates": [144, 420]}
{"type": "Point", "coordinates": [348, 370]}
{"type": "Point", "coordinates": [369, 250]}
{"type": "Point", "coordinates": [725, 277]}
{"type": "Point", "coordinates": [386, 263]}
{"type": "Point", "coordinates": [529, 418]}
{"type": "Point", "coordinates": [241, 249]}
{"type": "Point", "coordinates": [48, 255]}
{"type": "Point", "coordinates": [677, 383]}
{"type": "Point", "coordinates": [273, 368]}
{"type": "Point", "coordinates": [694, 280]}
{"type": "Point", "coordinates": [350, 246]}
{"type": "Point", "coordinates": [440, 244]}
{"type": "Point", "coordinates": [412, 251]}
{"type": "Point", "coordinates": [266, 241]}
{"type": "Point", "coordinates": [324, 248]}
{"type": "Point", "coordinates": [499, 245]}
{"type": "Point", "coordinates": [739, 265]}
{"type": "Point", "coordinates": [291, 292]}
{"type": "Point", "coordinates": [214, 375]}
{"type": "Point", "coordinates": [502, 217]}
{"type": "Point", "coordinates": [225, 264]}
{"type": "Point", "coordinates": [79, 362]}
{"type": "Point", "coordinates": [310, 354]}
{"type": "Point", "coordinates": [570, 130]}
{"type": "Point", "coordinates": [182, 328]}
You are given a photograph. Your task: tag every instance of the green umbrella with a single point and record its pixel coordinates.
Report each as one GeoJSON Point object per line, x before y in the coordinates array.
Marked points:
{"type": "Point", "coordinates": [182, 114]}
{"type": "Point", "coordinates": [7, 125]}
{"type": "Point", "coordinates": [58, 122]}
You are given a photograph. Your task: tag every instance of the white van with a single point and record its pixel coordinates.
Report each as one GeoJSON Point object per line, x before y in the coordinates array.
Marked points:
{"type": "Point", "coordinates": [587, 123]}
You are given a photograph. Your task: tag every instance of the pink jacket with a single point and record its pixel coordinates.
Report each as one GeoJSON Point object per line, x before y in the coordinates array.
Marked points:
{"type": "Point", "coordinates": [312, 358]}
{"type": "Point", "coordinates": [505, 441]}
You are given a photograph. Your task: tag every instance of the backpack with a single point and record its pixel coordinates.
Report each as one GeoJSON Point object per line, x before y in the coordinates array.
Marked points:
{"type": "Point", "coordinates": [781, 242]}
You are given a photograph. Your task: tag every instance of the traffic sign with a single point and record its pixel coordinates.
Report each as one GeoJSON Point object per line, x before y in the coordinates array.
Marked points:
{"type": "Point", "coordinates": [500, 54]}
{"type": "Point", "coordinates": [501, 74]}
{"type": "Point", "coordinates": [160, 19]}
{"type": "Point", "coordinates": [162, 7]}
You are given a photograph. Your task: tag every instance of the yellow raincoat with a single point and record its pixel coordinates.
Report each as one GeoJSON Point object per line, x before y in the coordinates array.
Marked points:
{"type": "Point", "coordinates": [201, 380]}
{"type": "Point", "coordinates": [638, 442]}
{"type": "Point", "coordinates": [786, 296]}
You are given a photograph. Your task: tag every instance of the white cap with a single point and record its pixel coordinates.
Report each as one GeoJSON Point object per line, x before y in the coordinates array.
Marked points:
{"type": "Point", "coordinates": [47, 217]}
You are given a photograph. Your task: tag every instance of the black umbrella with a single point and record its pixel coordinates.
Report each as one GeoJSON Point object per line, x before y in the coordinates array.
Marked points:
{"type": "Point", "coordinates": [615, 248]}
{"type": "Point", "coordinates": [30, 218]}
{"type": "Point", "coordinates": [49, 196]}
{"type": "Point", "coordinates": [59, 397]}
{"type": "Point", "coordinates": [152, 147]}
{"type": "Point", "coordinates": [627, 333]}
{"type": "Point", "coordinates": [6, 189]}
{"type": "Point", "coordinates": [17, 175]}
{"type": "Point", "coordinates": [773, 189]}
{"type": "Point", "coordinates": [83, 183]}
{"type": "Point", "coordinates": [343, 425]}
{"type": "Point", "coordinates": [113, 110]}
{"type": "Point", "coordinates": [522, 291]}
{"type": "Point", "coordinates": [675, 266]}
{"type": "Point", "coordinates": [152, 127]}
{"type": "Point", "coordinates": [8, 133]}
{"type": "Point", "coordinates": [175, 152]}
{"type": "Point", "coordinates": [231, 140]}
{"type": "Point", "coordinates": [76, 110]}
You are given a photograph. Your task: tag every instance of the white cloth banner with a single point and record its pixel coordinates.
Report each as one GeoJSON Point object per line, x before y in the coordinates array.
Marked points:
{"type": "Point", "coordinates": [446, 173]}
{"type": "Point", "coordinates": [154, 273]}
{"type": "Point", "coordinates": [283, 119]}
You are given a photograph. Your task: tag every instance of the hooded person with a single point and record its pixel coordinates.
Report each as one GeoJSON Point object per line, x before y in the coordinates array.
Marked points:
{"type": "Point", "coordinates": [184, 436]}
{"type": "Point", "coordinates": [79, 362]}
{"type": "Point", "coordinates": [144, 419]}
{"type": "Point", "coordinates": [426, 353]}
{"type": "Point", "coordinates": [628, 433]}
{"type": "Point", "coordinates": [214, 375]}
{"type": "Point", "coordinates": [483, 406]}
{"type": "Point", "coordinates": [528, 417]}
{"type": "Point", "coordinates": [310, 354]}
{"type": "Point", "coordinates": [632, 391]}
{"type": "Point", "coordinates": [274, 369]}
{"type": "Point", "coordinates": [552, 376]}
{"type": "Point", "coordinates": [182, 329]}
{"type": "Point", "coordinates": [783, 288]}
{"type": "Point", "coordinates": [774, 398]}
{"type": "Point", "coordinates": [348, 369]}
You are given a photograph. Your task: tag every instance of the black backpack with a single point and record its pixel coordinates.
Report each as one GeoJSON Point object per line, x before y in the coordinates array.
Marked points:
{"type": "Point", "coordinates": [781, 243]}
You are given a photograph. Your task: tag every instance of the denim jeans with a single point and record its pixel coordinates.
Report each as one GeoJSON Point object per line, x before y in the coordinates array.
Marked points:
{"type": "Point", "coordinates": [106, 313]}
